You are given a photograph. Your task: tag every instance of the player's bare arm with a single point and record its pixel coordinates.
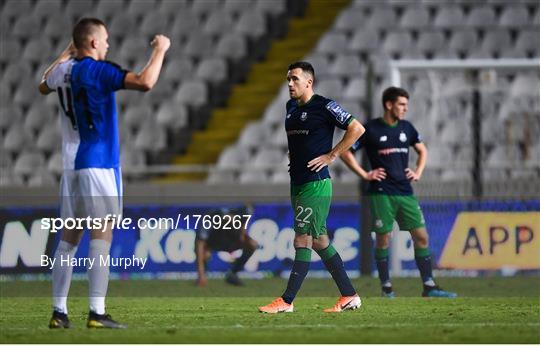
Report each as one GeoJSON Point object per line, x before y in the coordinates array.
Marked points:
{"type": "Point", "coordinates": [415, 175]}
{"type": "Point", "coordinates": [377, 174]}
{"type": "Point", "coordinates": [147, 78]}
{"type": "Point", "coordinates": [353, 132]}
{"type": "Point", "coordinates": [65, 55]}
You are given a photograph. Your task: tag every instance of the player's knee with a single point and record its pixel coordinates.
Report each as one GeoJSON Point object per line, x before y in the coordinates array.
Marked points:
{"type": "Point", "coordinates": [302, 240]}
{"type": "Point", "coordinates": [320, 243]}
{"type": "Point", "coordinates": [421, 242]}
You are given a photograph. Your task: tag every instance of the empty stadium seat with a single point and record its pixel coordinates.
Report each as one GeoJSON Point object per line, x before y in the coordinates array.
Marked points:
{"type": "Point", "coordinates": [199, 45]}
{"type": "Point", "coordinates": [177, 69]}
{"type": "Point", "coordinates": [252, 135]}
{"type": "Point", "coordinates": [78, 9]}
{"type": "Point", "coordinates": [397, 42]}
{"type": "Point", "coordinates": [481, 16]}
{"type": "Point", "coordinates": [37, 50]}
{"type": "Point", "coordinates": [514, 15]}
{"type": "Point", "coordinates": [9, 114]}
{"type": "Point", "coordinates": [201, 8]}
{"type": "Point", "coordinates": [183, 24]}
{"type": "Point", "coordinates": [57, 26]}
{"type": "Point", "coordinates": [106, 9]}
{"type": "Point", "coordinates": [153, 23]}
{"type": "Point", "coordinates": [280, 176]}
{"type": "Point", "coordinates": [121, 25]}
{"type": "Point", "coordinates": [213, 70]}
{"type": "Point", "coordinates": [26, 27]}
{"type": "Point", "coordinates": [235, 7]}
{"type": "Point", "coordinates": [415, 17]}
{"type": "Point", "coordinates": [234, 157]}
{"type": "Point", "coordinates": [47, 8]}
{"type": "Point", "coordinates": [348, 20]}
{"type": "Point", "coordinates": [132, 160]}
{"type": "Point", "coordinates": [231, 46]}
{"type": "Point", "coordinates": [11, 49]}
{"type": "Point", "coordinates": [330, 88]}
{"type": "Point", "coordinates": [55, 164]}
{"type": "Point", "coordinates": [449, 16]}
{"type": "Point", "coordinates": [431, 41]}
{"type": "Point", "coordinates": [382, 16]}
{"type": "Point", "coordinates": [463, 40]}
{"type": "Point", "coordinates": [347, 66]}
{"type": "Point", "coordinates": [16, 8]}
{"type": "Point", "coordinates": [138, 8]}
{"type": "Point", "coordinates": [528, 41]}
{"type": "Point", "coordinates": [172, 116]}
{"type": "Point", "coordinates": [217, 176]}
{"type": "Point", "coordinates": [251, 24]}
{"type": "Point", "coordinates": [9, 179]}
{"type": "Point", "coordinates": [365, 39]}
{"type": "Point", "coordinates": [173, 7]}
{"type": "Point", "coordinates": [150, 137]}
{"type": "Point", "coordinates": [42, 178]}
{"type": "Point", "coordinates": [29, 162]}
{"type": "Point", "coordinates": [193, 93]}
{"type": "Point", "coordinates": [136, 115]}
{"type": "Point", "coordinates": [132, 48]}
{"type": "Point", "coordinates": [218, 22]}
{"type": "Point", "coordinates": [251, 177]}
{"type": "Point", "coordinates": [332, 43]}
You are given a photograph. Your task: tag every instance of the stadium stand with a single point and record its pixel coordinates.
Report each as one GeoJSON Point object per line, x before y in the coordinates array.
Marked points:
{"type": "Point", "coordinates": [221, 96]}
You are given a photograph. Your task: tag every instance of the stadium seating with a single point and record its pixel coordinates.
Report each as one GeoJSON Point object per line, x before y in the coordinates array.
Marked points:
{"type": "Point", "coordinates": [214, 45]}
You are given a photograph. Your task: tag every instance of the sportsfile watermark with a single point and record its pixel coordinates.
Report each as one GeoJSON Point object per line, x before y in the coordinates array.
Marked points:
{"type": "Point", "coordinates": [193, 221]}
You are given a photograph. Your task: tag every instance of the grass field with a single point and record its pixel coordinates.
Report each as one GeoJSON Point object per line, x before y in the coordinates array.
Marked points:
{"type": "Point", "coordinates": [489, 310]}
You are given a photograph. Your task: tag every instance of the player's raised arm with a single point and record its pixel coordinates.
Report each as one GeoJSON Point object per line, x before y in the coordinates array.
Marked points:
{"type": "Point", "coordinates": [353, 132]}
{"type": "Point", "coordinates": [422, 151]}
{"type": "Point", "coordinates": [147, 78]}
{"type": "Point", "coordinates": [65, 55]}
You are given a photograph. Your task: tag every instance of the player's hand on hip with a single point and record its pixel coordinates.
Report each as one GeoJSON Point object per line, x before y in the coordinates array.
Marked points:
{"type": "Point", "coordinates": [377, 174]}
{"type": "Point", "coordinates": [412, 175]}
{"type": "Point", "coordinates": [161, 42]}
{"type": "Point", "coordinates": [320, 162]}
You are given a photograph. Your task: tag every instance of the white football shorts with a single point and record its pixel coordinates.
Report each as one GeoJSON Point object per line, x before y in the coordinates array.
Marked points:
{"type": "Point", "coordinates": [91, 192]}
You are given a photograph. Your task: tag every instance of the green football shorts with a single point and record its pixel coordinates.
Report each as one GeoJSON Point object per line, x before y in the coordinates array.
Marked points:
{"type": "Point", "coordinates": [311, 205]}
{"type": "Point", "coordinates": [387, 208]}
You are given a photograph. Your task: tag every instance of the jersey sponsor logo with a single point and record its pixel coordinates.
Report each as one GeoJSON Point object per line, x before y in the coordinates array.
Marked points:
{"type": "Point", "coordinates": [393, 151]}
{"type": "Point", "coordinates": [303, 117]}
{"type": "Point", "coordinates": [339, 113]}
{"type": "Point", "coordinates": [288, 115]}
{"type": "Point", "coordinates": [378, 223]}
{"type": "Point", "coordinates": [403, 137]}
{"type": "Point", "coordinates": [383, 139]}
{"type": "Point", "coordinates": [297, 132]}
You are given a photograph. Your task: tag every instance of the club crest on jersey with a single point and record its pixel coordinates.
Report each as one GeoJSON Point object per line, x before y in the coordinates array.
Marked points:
{"type": "Point", "coordinates": [403, 137]}
{"type": "Point", "coordinates": [378, 223]}
{"type": "Point", "coordinates": [383, 139]}
{"type": "Point", "coordinates": [341, 115]}
{"type": "Point", "coordinates": [303, 117]}
{"type": "Point", "coordinates": [288, 115]}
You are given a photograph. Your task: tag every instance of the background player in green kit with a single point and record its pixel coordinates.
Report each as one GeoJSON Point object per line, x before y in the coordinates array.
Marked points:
{"type": "Point", "coordinates": [310, 123]}
{"type": "Point", "coordinates": [387, 141]}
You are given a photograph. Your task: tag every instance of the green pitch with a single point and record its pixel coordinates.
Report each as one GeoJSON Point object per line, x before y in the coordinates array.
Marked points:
{"type": "Point", "coordinates": [489, 310]}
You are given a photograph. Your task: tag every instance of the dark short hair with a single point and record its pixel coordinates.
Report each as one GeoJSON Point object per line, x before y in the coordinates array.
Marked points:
{"type": "Point", "coordinates": [392, 93]}
{"type": "Point", "coordinates": [83, 28]}
{"type": "Point", "coordinates": [304, 66]}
